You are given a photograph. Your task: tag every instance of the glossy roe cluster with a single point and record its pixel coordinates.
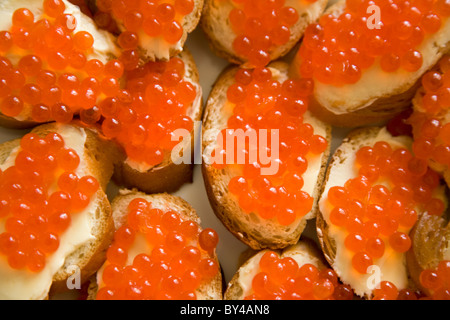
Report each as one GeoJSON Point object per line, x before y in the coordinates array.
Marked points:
{"type": "Point", "coordinates": [260, 26]}
{"type": "Point", "coordinates": [337, 49]}
{"type": "Point", "coordinates": [379, 207]}
{"type": "Point", "coordinates": [39, 195]}
{"type": "Point", "coordinates": [431, 119]}
{"type": "Point", "coordinates": [260, 102]}
{"type": "Point", "coordinates": [139, 19]}
{"type": "Point", "coordinates": [54, 77]}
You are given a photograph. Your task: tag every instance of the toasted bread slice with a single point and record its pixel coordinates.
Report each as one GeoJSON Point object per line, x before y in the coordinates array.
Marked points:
{"type": "Point", "coordinates": [303, 252]}
{"type": "Point", "coordinates": [377, 96]}
{"type": "Point", "coordinates": [103, 48]}
{"type": "Point", "coordinates": [83, 245]}
{"type": "Point", "coordinates": [216, 24]}
{"type": "Point", "coordinates": [430, 245]}
{"type": "Point", "coordinates": [211, 290]}
{"type": "Point", "coordinates": [391, 266]}
{"type": "Point", "coordinates": [250, 228]}
{"type": "Point", "coordinates": [167, 176]}
{"type": "Point", "coordinates": [155, 48]}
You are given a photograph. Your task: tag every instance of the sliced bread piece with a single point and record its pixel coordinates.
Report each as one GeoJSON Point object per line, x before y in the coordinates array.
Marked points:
{"type": "Point", "coordinates": [83, 244]}
{"type": "Point", "coordinates": [340, 235]}
{"type": "Point", "coordinates": [250, 228]}
{"type": "Point", "coordinates": [216, 24]}
{"type": "Point", "coordinates": [103, 49]}
{"type": "Point", "coordinates": [211, 290]}
{"type": "Point", "coordinates": [167, 176]}
{"type": "Point", "coordinates": [378, 95]}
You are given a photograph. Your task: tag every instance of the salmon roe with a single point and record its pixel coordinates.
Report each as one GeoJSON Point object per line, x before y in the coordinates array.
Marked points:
{"type": "Point", "coordinates": [177, 261]}
{"type": "Point", "coordinates": [139, 106]}
{"type": "Point", "coordinates": [437, 281]}
{"type": "Point", "coordinates": [143, 18]}
{"type": "Point", "coordinates": [260, 26]}
{"type": "Point", "coordinates": [283, 278]}
{"type": "Point", "coordinates": [39, 194]}
{"type": "Point", "coordinates": [338, 49]}
{"type": "Point", "coordinates": [153, 105]}
{"type": "Point", "coordinates": [264, 107]}
{"type": "Point", "coordinates": [54, 79]}
{"type": "Point", "coordinates": [378, 207]}
{"type": "Point", "coordinates": [431, 117]}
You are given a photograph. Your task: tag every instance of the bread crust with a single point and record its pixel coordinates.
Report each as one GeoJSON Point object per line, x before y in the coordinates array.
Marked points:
{"type": "Point", "coordinates": [248, 228]}
{"type": "Point", "coordinates": [167, 176]}
{"type": "Point", "coordinates": [209, 291]}
{"type": "Point", "coordinates": [430, 245]}
{"type": "Point", "coordinates": [213, 21]}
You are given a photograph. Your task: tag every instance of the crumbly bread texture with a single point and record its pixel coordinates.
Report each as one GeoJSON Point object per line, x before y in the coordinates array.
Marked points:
{"type": "Point", "coordinates": [377, 96]}
{"type": "Point", "coordinates": [430, 245]}
{"type": "Point", "coordinates": [217, 27]}
{"type": "Point", "coordinates": [96, 160]}
{"type": "Point", "coordinates": [153, 49]}
{"type": "Point", "coordinates": [208, 291]}
{"type": "Point", "coordinates": [249, 228]}
{"type": "Point", "coordinates": [303, 252]}
{"type": "Point", "coordinates": [167, 176]}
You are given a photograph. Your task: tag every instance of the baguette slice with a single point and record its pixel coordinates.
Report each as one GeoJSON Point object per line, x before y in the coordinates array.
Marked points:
{"type": "Point", "coordinates": [84, 243]}
{"type": "Point", "coordinates": [250, 228]}
{"type": "Point", "coordinates": [377, 96]}
{"type": "Point", "coordinates": [392, 265]}
{"type": "Point", "coordinates": [217, 27]}
{"type": "Point", "coordinates": [167, 176]}
{"type": "Point", "coordinates": [303, 252]}
{"type": "Point", "coordinates": [103, 49]}
{"type": "Point", "coordinates": [430, 245]}
{"type": "Point", "coordinates": [155, 48]}
{"type": "Point", "coordinates": [208, 291]}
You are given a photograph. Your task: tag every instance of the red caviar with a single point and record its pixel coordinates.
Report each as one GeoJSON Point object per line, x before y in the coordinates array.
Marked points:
{"type": "Point", "coordinates": [338, 48]}
{"type": "Point", "coordinates": [430, 119]}
{"type": "Point", "coordinates": [39, 196]}
{"type": "Point", "coordinates": [262, 109]}
{"type": "Point", "coordinates": [55, 78]}
{"type": "Point", "coordinates": [145, 18]}
{"type": "Point", "coordinates": [283, 278]}
{"type": "Point", "coordinates": [260, 27]}
{"type": "Point", "coordinates": [178, 261]}
{"type": "Point", "coordinates": [437, 281]}
{"type": "Point", "coordinates": [145, 116]}
{"type": "Point", "coordinates": [378, 208]}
